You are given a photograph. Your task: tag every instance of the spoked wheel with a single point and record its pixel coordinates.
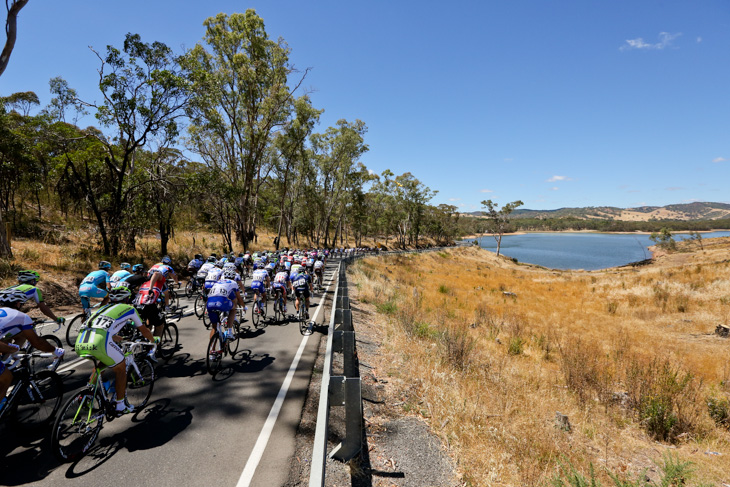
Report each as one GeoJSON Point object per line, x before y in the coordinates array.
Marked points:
{"type": "Point", "coordinates": [189, 289]}
{"type": "Point", "coordinates": [199, 305]}
{"type": "Point", "coordinates": [255, 314]}
{"type": "Point", "coordinates": [214, 355]}
{"type": "Point", "coordinates": [235, 341]}
{"type": "Point", "coordinates": [304, 326]}
{"type": "Point", "coordinates": [173, 299]}
{"type": "Point", "coordinates": [73, 328]}
{"type": "Point", "coordinates": [39, 400]}
{"type": "Point", "coordinates": [140, 380]}
{"type": "Point", "coordinates": [168, 341]}
{"type": "Point", "coordinates": [77, 426]}
{"type": "Point", "coordinates": [37, 364]}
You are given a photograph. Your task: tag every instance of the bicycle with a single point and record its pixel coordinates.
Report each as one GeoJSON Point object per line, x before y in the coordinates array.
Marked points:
{"type": "Point", "coordinates": [305, 326]}
{"type": "Point", "coordinates": [36, 396]}
{"type": "Point", "coordinates": [279, 314]}
{"type": "Point", "coordinates": [193, 286]}
{"type": "Point", "coordinates": [77, 322]}
{"type": "Point", "coordinates": [82, 417]}
{"type": "Point", "coordinates": [220, 345]}
{"type": "Point", "coordinates": [171, 286]}
{"type": "Point", "coordinates": [317, 284]}
{"type": "Point", "coordinates": [199, 305]}
{"type": "Point", "coordinates": [258, 310]}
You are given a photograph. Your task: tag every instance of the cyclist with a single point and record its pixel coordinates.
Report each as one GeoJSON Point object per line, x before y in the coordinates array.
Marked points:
{"type": "Point", "coordinates": [95, 285]}
{"type": "Point", "coordinates": [134, 280]}
{"type": "Point", "coordinates": [120, 274]}
{"type": "Point", "coordinates": [259, 283]}
{"type": "Point", "coordinates": [195, 264]}
{"type": "Point", "coordinates": [18, 327]}
{"type": "Point", "coordinates": [213, 276]}
{"type": "Point", "coordinates": [158, 275]}
{"type": "Point", "coordinates": [98, 339]}
{"type": "Point", "coordinates": [221, 300]}
{"type": "Point", "coordinates": [27, 281]}
{"type": "Point", "coordinates": [319, 270]}
{"type": "Point", "coordinates": [147, 303]}
{"type": "Point", "coordinates": [302, 284]}
{"type": "Point", "coordinates": [281, 284]}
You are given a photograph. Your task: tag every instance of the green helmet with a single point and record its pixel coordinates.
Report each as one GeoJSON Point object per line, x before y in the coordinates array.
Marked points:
{"type": "Point", "coordinates": [28, 277]}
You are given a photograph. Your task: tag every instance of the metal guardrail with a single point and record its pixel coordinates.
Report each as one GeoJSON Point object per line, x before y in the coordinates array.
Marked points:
{"type": "Point", "coordinates": [342, 390]}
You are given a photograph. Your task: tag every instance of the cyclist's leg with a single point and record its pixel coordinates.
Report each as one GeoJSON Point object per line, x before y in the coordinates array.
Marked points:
{"type": "Point", "coordinates": [6, 378]}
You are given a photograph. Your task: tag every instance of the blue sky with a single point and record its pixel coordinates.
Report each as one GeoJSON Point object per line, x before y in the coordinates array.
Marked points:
{"type": "Point", "coordinates": [556, 103]}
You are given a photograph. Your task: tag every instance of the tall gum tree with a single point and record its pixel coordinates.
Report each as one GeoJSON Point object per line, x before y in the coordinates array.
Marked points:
{"type": "Point", "coordinates": [241, 98]}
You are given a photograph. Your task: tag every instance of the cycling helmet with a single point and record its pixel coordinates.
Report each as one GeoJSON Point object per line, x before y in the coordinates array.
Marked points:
{"type": "Point", "coordinates": [229, 273]}
{"type": "Point", "coordinates": [214, 255]}
{"type": "Point", "coordinates": [28, 277]}
{"type": "Point", "coordinates": [105, 265]}
{"type": "Point", "coordinates": [12, 297]}
{"type": "Point", "coordinates": [219, 263]}
{"type": "Point", "coordinates": [212, 259]}
{"type": "Point", "coordinates": [240, 254]}
{"type": "Point", "coordinates": [199, 256]}
{"type": "Point", "coordinates": [137, 268]}
{"type": "Point", "coordinates": [120, 294]}
{"type": "Point", "coordinates": [124, 265]}
{"type": "Point", "coordinates": [167, 260]}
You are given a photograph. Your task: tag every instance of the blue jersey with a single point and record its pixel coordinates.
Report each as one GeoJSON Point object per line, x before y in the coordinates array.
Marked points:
{"type": "Point", "coordinates": [300, 281]}
{"type": "Point", "coordinates": [119, 276]}
{"type": "Point", "coordinates": [95, 278]}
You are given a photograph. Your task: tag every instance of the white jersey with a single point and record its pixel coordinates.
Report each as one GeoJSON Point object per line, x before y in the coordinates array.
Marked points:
{"type": "Point", "coordinates": [281, 277]}
{"type": "Point", "coordinates": [214, 274]}
{"type": "Point", "coordinates": [205, 268]}
{"type": "Point", "coordinates": [224, 288]}
{"type": "Point", "coordinates": [318, 265]}
{"type": "Point", "coordinates": [260, 275]}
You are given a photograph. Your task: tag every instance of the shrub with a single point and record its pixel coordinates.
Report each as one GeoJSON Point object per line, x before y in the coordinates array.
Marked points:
{"type": "Point", "coordinates": [719, 410]}
{"type": "Point", "coordinates": [388, 307]}
{"type": "Point", "coordinates": [443, 289]}
{"type": "Point", "coordinates": [457, 345]}
{"type": "Point", "coordinates": [515, 346]}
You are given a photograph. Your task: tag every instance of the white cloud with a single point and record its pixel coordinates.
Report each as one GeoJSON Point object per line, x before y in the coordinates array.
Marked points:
{"type": "Point", "coordinates": [699, 39]}
{"type": "Point", "coordinates": [486, 191]}
{"type": "Point", "coordinates": [719, 159]}
{"type": "Point", "coordinates": [558, 178]}
{"type": "Point", "coordinates": [554, 188]}
{"type": "Point", "coordinates": [454, 199]}
{"type": "Point", "coordinates": [674, 188]}
{"type": "Point", "coordinates": [371, 172]}
{"type": "Point", "coordinates": [665, 40]}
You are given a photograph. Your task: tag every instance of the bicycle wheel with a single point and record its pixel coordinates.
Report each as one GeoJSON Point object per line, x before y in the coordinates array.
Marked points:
{"type": "Point", "coordinates": [189, 289]}
{"type": "Point", "coordinates": [304, 328]}
{"type": "Point", "coordinates": [168, 341]}
{"type": "Point", "coordinates": [255, 316]}
{"type": "Point", "coordinates": [214, 355]}
{"type": "Point", "coordinates": [199, 305]}
{"type": "Point", "coordinates": [38, 364]}
{"type": "Point", "coordinates": [39, 400]}
{"type": "Point", "coordinates": [235, 341]}
{"type": "Point", "coordinates": [206, 320]}
{"type": "Point", "coordinates": [173, 299]}
{"type": "Point", "coordinates": [140, 380]}
{"type": "Point", "coordinates": [77, 426]}
{"type": "Point", "coordinates": [73, 328]}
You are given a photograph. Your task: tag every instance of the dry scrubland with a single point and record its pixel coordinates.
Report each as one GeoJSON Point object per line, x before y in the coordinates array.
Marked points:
{"type": "Point", "coordinates": [629, 355]}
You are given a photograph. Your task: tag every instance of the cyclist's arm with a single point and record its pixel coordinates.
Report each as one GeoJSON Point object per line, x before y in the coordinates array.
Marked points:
{"type": "Point", "coordinates": [37, 342]}
{"type": "Point", "coordinates": [5, 348]}
{"type": "Point", "coordinates": [46, 310]}
{"type": "Point", "coordinates": [239, 299]}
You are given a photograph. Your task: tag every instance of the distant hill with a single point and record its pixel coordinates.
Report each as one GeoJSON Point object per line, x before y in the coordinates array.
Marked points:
{"type": "Point", "coordinates": [683, 212]}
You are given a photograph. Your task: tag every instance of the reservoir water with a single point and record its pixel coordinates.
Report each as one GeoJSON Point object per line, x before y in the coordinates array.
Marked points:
{"type": "Point", "coordinates": [589, 251]}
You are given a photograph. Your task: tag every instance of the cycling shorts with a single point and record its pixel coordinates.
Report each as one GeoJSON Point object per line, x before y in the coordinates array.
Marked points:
{"type": "Point", "coordinates": [92, 291]}
{"type": "Point", "coordinates": [2, 367]}
{"type": "Point", "coordinates": [218, 304]}
{"type": "Point", "coordinates": [258, 287]}
{"type": "Point", "coordinates": [279, 286]}
{"type": "Point", "coordinates": [96, 343]}
{"type": "Point", "coordinates": [302, 292]}
{"type": "Point", "coordinates": [152, 313]}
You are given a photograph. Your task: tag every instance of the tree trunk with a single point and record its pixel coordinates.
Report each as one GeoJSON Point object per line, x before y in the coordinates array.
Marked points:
{"type": "Point", "coordinates": [5, 251]}
{"type": "Point", "coordinates": [11, 28]}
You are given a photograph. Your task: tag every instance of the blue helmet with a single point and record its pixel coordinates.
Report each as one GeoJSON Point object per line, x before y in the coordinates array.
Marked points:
{"type": "Point", "coordinates": [137, 268]}
{"type": "Point", "coordinates": [167, 260]}
{"type": "Point", "coordinates": [124, 265]}
{"type": "Point", "coordinates": [105, 265]}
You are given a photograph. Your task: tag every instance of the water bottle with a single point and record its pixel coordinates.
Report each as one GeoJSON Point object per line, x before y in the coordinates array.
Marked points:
{"type": "Point", "coordinates": [109, 387]}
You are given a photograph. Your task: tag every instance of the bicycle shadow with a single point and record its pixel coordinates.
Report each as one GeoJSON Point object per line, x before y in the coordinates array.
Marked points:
{"type": "Point", "coordinates": [154, 426]}
{"type": "Point", "coordinates": [179, 366]}
{"type": "Point", "coordinates": [28, 460]}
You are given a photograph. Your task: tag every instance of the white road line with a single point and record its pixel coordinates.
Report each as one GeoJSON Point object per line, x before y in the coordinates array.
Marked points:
{"type": "Point", "coordinates": [263, 439]}
{"type": "Point", "coordinates": [70, 365]}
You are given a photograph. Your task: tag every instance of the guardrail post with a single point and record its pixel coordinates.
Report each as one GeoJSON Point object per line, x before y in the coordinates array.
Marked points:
{"type": "Point", "coordinates": [348, 391]}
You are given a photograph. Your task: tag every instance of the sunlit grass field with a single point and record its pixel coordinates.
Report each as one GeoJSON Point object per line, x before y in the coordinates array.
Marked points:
{"type": "Point", "coordinates": [489, 351]}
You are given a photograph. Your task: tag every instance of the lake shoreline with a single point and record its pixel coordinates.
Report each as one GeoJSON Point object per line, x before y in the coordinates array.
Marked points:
{"type": "Point", "coordinates": [528, 232]}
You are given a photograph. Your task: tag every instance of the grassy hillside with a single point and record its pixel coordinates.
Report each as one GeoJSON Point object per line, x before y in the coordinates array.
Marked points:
{"type": "Point", "coordinates": [487, 352]}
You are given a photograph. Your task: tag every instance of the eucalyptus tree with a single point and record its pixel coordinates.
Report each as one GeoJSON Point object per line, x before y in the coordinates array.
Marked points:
{"type": "Point", "coordinates": [143, 96]}
{"type": "Point", "coordinates": [498, 218]}
{"type": "Point", "coordinates": [241, 97]}
{"type": "Point", "coordinates": [337, 153]}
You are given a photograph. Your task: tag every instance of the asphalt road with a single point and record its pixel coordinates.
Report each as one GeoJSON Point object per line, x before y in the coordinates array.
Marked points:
{"type": "Point", "coordinates": [227, 430]}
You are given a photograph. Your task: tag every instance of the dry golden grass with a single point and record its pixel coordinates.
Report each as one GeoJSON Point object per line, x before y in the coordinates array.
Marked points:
{"type": "Point", "coordinates": [628, 354]}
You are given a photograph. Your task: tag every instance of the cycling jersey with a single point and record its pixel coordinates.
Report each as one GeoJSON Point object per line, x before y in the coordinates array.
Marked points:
{"type": "Point", "coordinates": [119, 276]}
{"type": "Point", "coordinates": [229, 265]}
{"type": "Point", "coordinates": [94, 279]}
{"type": "Point", "coordinates": [31, 292]}
{"type": "Point", "coordinates": [13, 322]}
{"type": "Point", "coordinates": [195, 264]}
{"type": "Point", "coordinates": [213, 275]}
{"type": "Point", "coordinates": [148, 294]}
{"type": "Point", "coordinates": [205, 269]}
{"type": "Point", "coordinates": [221, 298]}
{"type": "Point", "coordinates": [318, 265]}
{"type": "Point", "coordinates": [163, 269]}
{"type": "Point", "coordinates": [96, 337]}
{"type": "Point", "coordinates": [300, 281]}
